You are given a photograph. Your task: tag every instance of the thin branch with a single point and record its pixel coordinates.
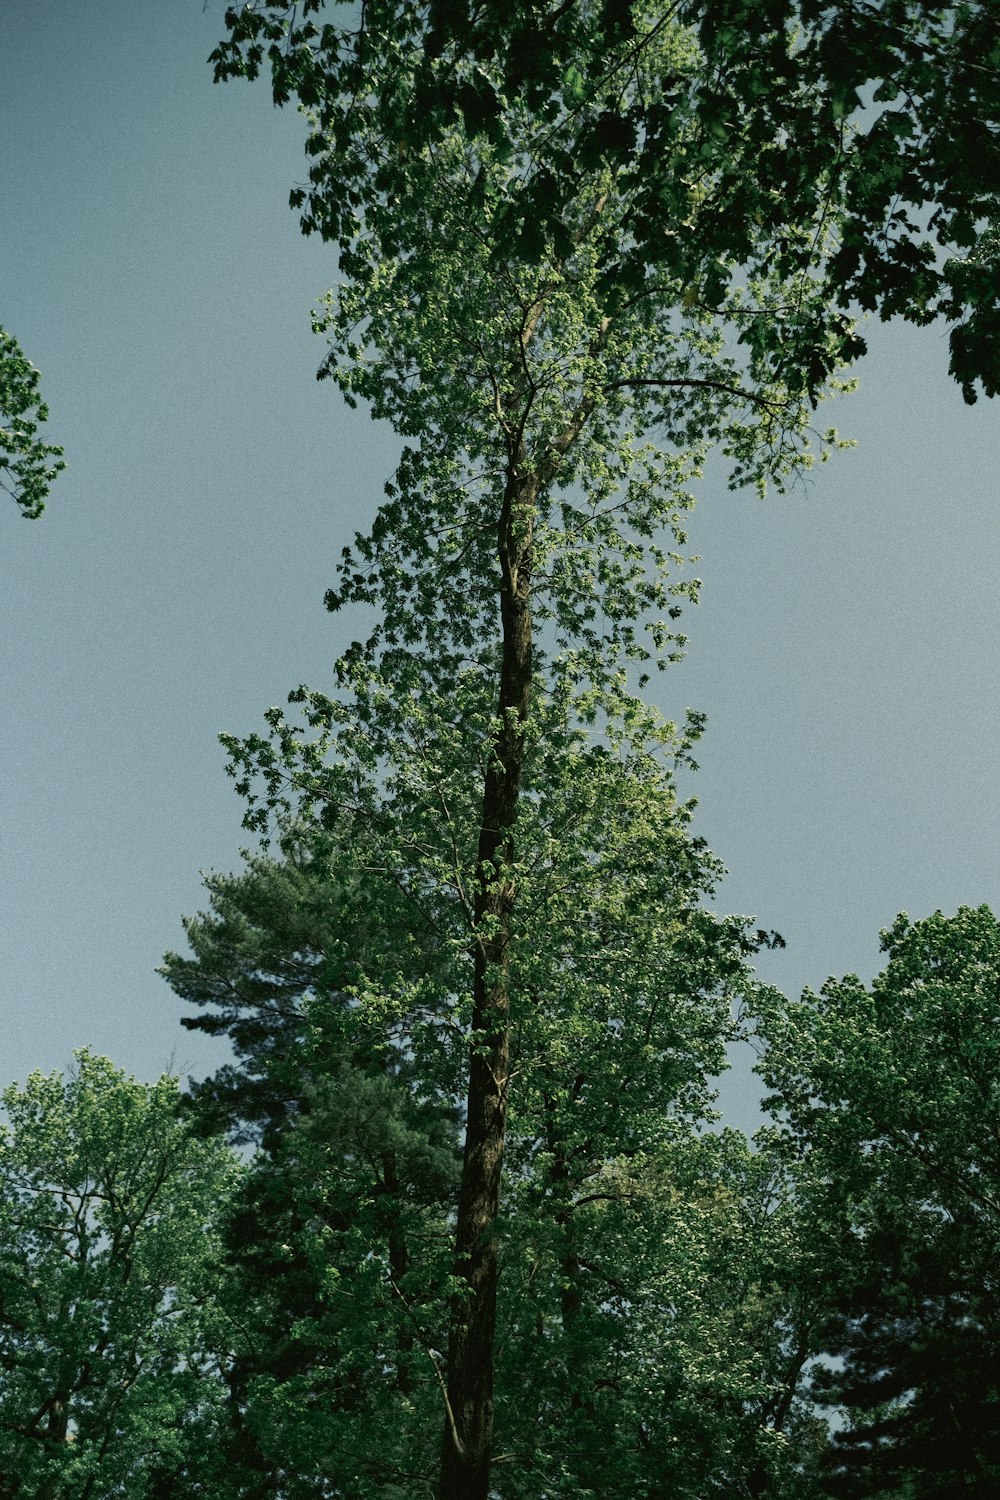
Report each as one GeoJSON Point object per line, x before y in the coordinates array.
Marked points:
{"type": "Point", "coordinates": [436, 1367]}
{"type": "Point", "coordinates": [692, 381]}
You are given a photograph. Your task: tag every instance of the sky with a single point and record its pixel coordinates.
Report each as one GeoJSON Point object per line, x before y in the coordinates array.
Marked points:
{"type": "Point", "coordinates": [845, 649]}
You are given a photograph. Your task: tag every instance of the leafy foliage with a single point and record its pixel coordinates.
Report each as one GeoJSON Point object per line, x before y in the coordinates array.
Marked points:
{"type": "Point", "coordinates": [890, 1095]}
{"type": "Point", "coordinates": [655, 1345]}
{"type": "Point", "coordinates": [646, 1327]}
{"type": "Point", "coordinates": [877, 123]}
{"type": "Point", "coordinates": [27, 465]}
{"type": "Point", "coordinates": [110, 1375]}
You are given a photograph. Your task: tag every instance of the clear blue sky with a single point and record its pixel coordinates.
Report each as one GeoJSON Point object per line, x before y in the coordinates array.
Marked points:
{"type": "Point", "coordinates": [845, 650]}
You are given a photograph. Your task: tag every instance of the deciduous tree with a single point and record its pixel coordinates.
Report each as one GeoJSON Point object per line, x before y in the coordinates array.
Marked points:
{"type": "Point", "coordinates": [487, 744]}
{"type": "Point", "coordinates": [110, 1349]}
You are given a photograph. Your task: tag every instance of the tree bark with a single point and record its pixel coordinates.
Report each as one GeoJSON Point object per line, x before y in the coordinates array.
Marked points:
{"type": "Point", "coordinates": [465, 1461]}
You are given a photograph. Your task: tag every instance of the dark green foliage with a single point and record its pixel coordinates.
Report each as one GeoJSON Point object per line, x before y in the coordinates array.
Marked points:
{"type": "Point", "coordinates": [892, 1101]}
{"type": "Point", "coordinates": [338, 1243]}
{"type": "Point", "coordinates": [647, 1342]}
{"type": "Point", "coordinates": [27, 465]}
{"type": "Point", "coordinates": [880, 120]}
{"type": "Point", "coordinates": [919, 1383]}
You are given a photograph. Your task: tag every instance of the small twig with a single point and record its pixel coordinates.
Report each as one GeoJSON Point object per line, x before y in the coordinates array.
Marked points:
{"type": "Point", "coordinates": [437, 1368]}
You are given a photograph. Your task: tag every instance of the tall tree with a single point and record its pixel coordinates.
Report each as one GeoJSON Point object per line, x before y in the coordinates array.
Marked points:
{"type": "Point", "coordinates": [488, 736]}
{"type": "Point", "coordinates": [111, 1352]}
{"type": "Point", "coordinates": [890, 1100]}
{"type": "Point", "coordinates": [27, 464]}
{"type": "Point", "coordinates": [578, 247]}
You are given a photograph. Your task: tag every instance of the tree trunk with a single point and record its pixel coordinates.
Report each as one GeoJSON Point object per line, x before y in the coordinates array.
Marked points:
{"type": "Point", "coordinates": [465, 1461]}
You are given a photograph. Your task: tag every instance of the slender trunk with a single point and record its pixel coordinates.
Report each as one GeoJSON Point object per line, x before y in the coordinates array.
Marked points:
{"type": "Point", "coordinates": [563, 1179]}
{"type": "Point", "coordinates": [399, 1263]}
{"type": "Point", "coordinates": [465, 1461]}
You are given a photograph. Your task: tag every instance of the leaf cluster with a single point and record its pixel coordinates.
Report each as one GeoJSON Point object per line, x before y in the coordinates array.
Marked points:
{"type": "Point", "coordinates": [27, 464]}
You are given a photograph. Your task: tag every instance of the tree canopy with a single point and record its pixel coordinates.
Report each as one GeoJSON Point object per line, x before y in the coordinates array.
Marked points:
{"type": "Point", "coordinates": [486, 778]}
{"type": "Point", "coordinates": [490, 1241]}
{"type": "Point", "coordinates": [875, 124]}
{"type": "Point", "coordinates": [645, 1336]}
